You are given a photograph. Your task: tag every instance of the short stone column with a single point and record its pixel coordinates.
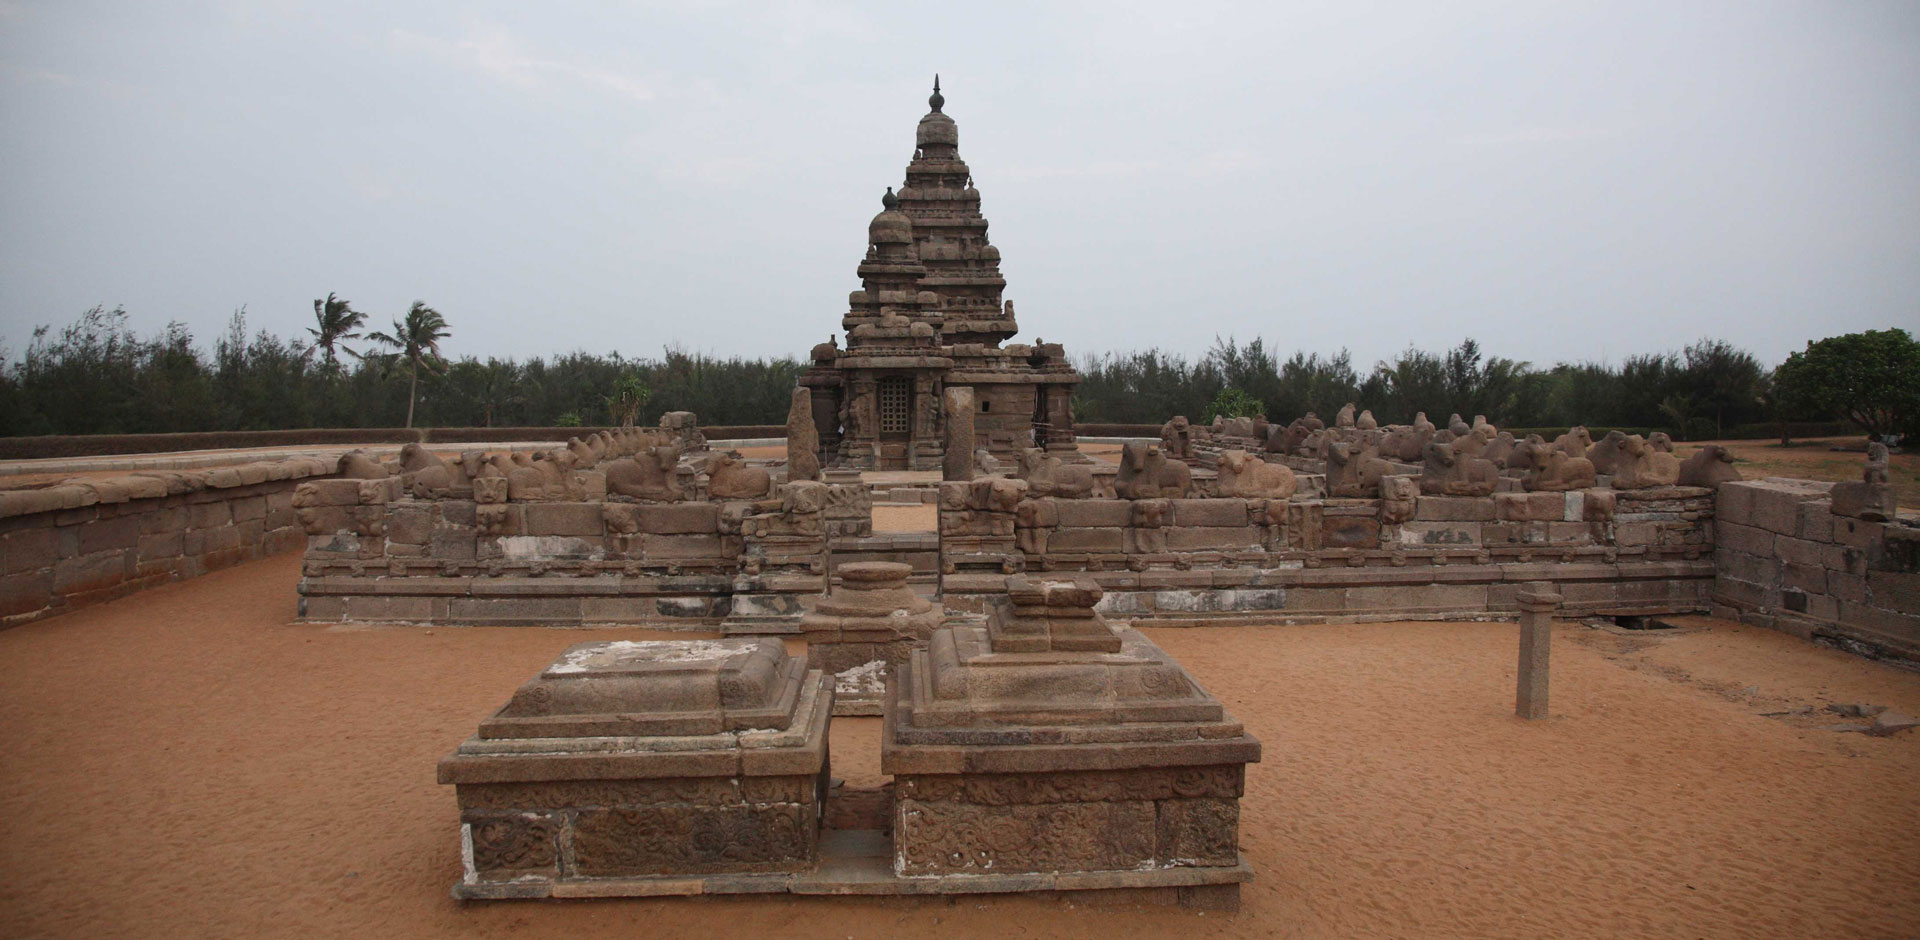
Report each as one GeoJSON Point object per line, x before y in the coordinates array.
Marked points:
{"type": "Point", "coordinates": [864, 629]}
{"type": "Point", "coordinates": [1537, 604]}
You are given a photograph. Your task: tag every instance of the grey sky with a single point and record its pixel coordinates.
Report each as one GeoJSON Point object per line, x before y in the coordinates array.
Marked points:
{"type": "Point", "coordinates": [1560, 180]}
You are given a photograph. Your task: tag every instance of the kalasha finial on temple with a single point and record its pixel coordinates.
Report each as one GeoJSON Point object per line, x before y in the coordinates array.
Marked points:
{"type": "Point", "coordinates": [936, 100]}
{"type": "Point", "coordinates": [889, 200]}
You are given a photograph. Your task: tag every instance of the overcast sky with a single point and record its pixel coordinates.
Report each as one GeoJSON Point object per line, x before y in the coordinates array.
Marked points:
{"type": "Point", "coordinates": [1560, 180]}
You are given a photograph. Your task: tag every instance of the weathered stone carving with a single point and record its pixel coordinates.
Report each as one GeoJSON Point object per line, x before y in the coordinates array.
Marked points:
{"type": "Point", "coordinates": [1710, 466]}
{"type": "Point", "coordinates": [1366, 421]}
{"type": "Point", "coordinates": [1450, 473]}
{"type": "Point", "coordinates": [1345, 418]}
{"type": "Point", "coordinates": [1608, 452]}
{"type": "Point", "coordinates": [1242, 474]}
{"type": "Point", "coordinates": [422, 473]}
{"type": "Point", "coordinates": [1549, 468]}
{"type": "Point", "coordinates": [803, 440]}
{"type": "Point", "coordinates": [1498, 449]}
{"type": "Point", "coordinates": [1146, 473]}
{"type": "Point", "coordinates": [1176, 438]}
{"type": "Point", "coordinates": [356, 465]}
{"type": "Point", "coordinates": [1049, 476]}
{"type": "Point", "coordinates": [1353, 472]}
{"type": "Point", "coordinates": [1875, 471]}
{"type": "Point", "coordinates": [651, 475]}
{"type": "Point", "coordinates": [729, 477]}
{"type": "Point", "coordinates": [1659, 441]}
{"type": "Point", "coordinates": [1575, 443]}
{"type": "Point", "coordinates": [1640, 466]}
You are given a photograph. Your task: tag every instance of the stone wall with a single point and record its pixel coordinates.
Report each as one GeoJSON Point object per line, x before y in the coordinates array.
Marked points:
{"type": "Point", "coordinates": [1625, 552]}
{"type": "Point", "coordinates": [1783, 559]}
{"type": "Point", "coordinates": [376, 554]}
{"type": "Point", "coordinates": [81, 542]}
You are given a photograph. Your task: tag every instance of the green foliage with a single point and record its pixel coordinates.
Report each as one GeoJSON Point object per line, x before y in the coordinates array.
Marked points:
{"type": "Point", "coordinates": [569, 420]}
{"type": "Point", "coordinates": [1233, 403]}
{"type": "Point", "coordinates": [1870, 378]}
{"type": "Point", "coordinates": [97, 376]}
{"type": "Point", "coordinates": [628, 395]}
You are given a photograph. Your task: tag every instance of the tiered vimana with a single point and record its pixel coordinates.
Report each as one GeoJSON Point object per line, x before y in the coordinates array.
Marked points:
{"type": "Point", "coordinates": [1054, 751]}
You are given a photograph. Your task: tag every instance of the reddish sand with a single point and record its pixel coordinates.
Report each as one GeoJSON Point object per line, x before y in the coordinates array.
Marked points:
{"type": "Point", "coordinates": [185, 763]}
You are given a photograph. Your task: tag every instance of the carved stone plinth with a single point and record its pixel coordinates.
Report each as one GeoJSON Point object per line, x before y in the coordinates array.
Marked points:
{"type": "Point", "coordinates": [645, 759]}
{"type": "Point", "coordinates": [1063, 758]}
{"type": "Point", "coordinates": [864, 630]}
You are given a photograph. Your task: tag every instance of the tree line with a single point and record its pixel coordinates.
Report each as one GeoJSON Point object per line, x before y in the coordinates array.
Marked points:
{"type": "Point", "coordinates": [1708, 389]}
{"type": "Point", "coordinates": [98, 375]}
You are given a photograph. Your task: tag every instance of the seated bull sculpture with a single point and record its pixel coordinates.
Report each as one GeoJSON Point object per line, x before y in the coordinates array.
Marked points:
{"type": "Point", "coordinates": [729, 477]}
{"type": "Point", "coordinates": [1575, 442]}
{"type": "Point", "coordinates": [1048, 476]}
{"type": "Point", "coordinates": [423, 473]}
{"type": "Point", "coordinates": [1248, 477]}
{"type": "Point", "coordinates": [1450, 472]}
{"type": "Point", "coordinates": [1344, 419]}
{"type": "Point", "coordinates": [1608, 452]}
{"type": "Point", "coordinates": [356, 465]}
{"type": "Point", "coordinates": [1353, 472]}
{"type": "Point", "coordinates": [1641, 466]}
{"type": "Point", "coordinates": [1548, 468]}
{"type": "Point", "coordinates": [1146, 473]}
{"type": "Point", "coordinates": [1710, 466]}
{"type": "Point", "coordinates": [651, 475]}
{"type": "Point", "coordinates": [1366, 421]}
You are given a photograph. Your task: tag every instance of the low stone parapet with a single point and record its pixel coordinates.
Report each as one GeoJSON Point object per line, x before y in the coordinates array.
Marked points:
{"type": "Point", "coordinates": [1787, 558]}
{"type": "Point", "coordinates": [87, 540]}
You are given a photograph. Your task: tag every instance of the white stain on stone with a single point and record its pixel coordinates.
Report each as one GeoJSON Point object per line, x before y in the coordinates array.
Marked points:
{"type": "Point", "coordinates": [627, 652]}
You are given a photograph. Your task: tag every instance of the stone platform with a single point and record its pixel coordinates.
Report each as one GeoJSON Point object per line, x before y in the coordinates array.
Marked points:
{"type": "Point", "coordinates": [860, 862]}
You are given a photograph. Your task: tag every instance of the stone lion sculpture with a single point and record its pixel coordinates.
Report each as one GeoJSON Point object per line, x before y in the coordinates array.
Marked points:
{"type": "Point", "coordinates": [1449, 472]}
{"type": "Point", "coordinates": [1353, 472]}
{"type": "Point", "coordinates": [1246, 476]}
{"type": "Point", "coordinates": [1710, 466]}
{"type": "Point", "coordinates": [1146, 473]}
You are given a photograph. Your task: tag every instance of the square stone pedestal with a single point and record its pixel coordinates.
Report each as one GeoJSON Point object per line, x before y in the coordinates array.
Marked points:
{"type": "Point", "coordinates": [625, 765]}
{"type": "Point", "coordinates": [1013, 753]}
{"type": "Point", "coordinates": [864, 630]}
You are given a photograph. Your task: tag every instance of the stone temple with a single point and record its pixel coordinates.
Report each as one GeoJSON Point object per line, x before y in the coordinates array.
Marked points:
{"type": "Point", "coordinates": [929, 316]}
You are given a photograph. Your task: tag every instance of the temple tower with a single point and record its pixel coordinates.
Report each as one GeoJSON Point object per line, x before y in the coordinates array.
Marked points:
{"type": "Point", "coordinates": [929, 314]}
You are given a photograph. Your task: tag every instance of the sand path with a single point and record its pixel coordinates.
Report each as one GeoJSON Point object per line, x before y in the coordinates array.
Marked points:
{"type": "Point", "coordinates": [184, 763]}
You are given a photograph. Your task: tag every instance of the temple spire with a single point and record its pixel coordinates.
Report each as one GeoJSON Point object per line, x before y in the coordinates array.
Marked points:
{"type": "Point", "coordinates": [936, 100]}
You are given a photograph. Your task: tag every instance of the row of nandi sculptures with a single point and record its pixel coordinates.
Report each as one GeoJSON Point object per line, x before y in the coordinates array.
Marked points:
{"type": "Point", "coordinates": [1459, 460]}
{"type": "Point", "coordinates": [647, 464]}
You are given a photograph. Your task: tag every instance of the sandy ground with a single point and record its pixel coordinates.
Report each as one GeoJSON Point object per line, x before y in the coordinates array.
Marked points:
{"type": "Point", "coordinates": [186, 763]}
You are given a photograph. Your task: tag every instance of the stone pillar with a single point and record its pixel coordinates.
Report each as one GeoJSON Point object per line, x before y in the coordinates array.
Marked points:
{"type": "Point", "coordinates": [1537, 604]}
{"type": "Point", "coordinates": [803, 439]}
{"type": "Point", "coordinates": [957, 466]}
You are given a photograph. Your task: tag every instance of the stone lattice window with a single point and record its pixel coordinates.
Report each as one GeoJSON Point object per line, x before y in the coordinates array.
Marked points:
{"type": "Point", "coordinates": [895, 405]}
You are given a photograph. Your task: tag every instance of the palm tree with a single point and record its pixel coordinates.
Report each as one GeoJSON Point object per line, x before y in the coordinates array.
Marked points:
{"type": "Point", "coordinates": [335, 321]}
{"type": "Point", "coordinates": [416, 340]}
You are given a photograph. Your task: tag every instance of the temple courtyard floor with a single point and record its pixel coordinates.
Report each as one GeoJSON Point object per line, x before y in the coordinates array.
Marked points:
{"type": "Point", "coordinates": [188, 763]}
